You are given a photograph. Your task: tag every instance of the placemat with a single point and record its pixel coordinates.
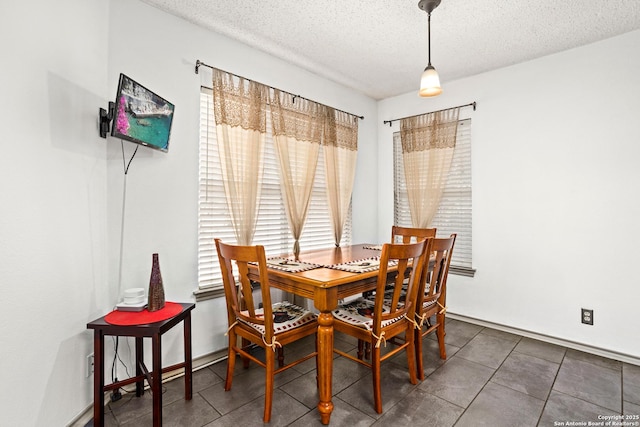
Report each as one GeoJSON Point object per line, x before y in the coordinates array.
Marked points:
{"type": "Point", "coordinates": [374, 247]}
{"type": "Point", "coordinates": [289, 265]}
{"type": "Point", "coordinates": [144, 317]}
{"type": "Point", "coordinates": [361, 266]}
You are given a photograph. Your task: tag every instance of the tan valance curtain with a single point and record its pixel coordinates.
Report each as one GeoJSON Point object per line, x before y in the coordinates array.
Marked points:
{"type": "Point", "coordinates": [340, 145]}
{"type": "Point", "coordinates": [297, 134]}
{"type": "Point", "coordinates": [428, 142]}
{"type": "Point", "coordinates": [240, 113]}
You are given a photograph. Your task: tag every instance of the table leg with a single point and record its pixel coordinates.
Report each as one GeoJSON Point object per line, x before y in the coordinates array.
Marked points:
{"type": "Point", "coordinates": [139, 362]}
{"type": "Point", "coordinates": [325, 365]}
{"type": "Point", "coordinates": [325, 300]}
{"type": "Point", "coordinates": [156, 386]}
{"type": "Point", "coordinates": [98, 378]}
{"type": "Point", "coordinates": [188, 361]}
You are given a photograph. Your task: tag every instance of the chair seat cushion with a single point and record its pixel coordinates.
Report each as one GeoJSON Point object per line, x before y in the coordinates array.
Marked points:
{"type": "Point", "coordinates": [359, 312]}
{"type": "Point", "coordinates": [429, 303]}
{"type": "Point", "coordinates": [388, 295]}
{"type": "Point", "coordinates": [295, 317]}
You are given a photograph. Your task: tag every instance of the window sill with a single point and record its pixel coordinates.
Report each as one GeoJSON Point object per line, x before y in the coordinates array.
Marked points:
{"type": "Point", "coordinates": [462, 271]}
{"type": "Point", "coordinates": [208, 293]}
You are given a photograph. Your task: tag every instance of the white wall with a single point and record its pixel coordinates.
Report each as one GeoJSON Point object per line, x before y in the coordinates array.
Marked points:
{"type": "Point", "coordinates": [53, 205]}
{"type": "Point", "coordinates": [160, 209]}
{"type": "Point", "coordinates": [555, 192]}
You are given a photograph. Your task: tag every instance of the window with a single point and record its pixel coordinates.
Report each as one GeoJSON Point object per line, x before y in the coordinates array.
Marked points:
{"type": "Point", "coordinates": [454, 213]}
{"type": "Point", "coordinates": [272, 229]}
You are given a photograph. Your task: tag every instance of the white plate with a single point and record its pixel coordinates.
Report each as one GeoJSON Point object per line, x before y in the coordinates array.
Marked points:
{"type": "Point", "coordinates": [136, 304]}
{"type": "Point", "coordinates": [131, 307]}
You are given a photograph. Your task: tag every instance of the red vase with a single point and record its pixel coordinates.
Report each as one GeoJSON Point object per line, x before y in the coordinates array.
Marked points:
{"type": "Point", "coordinates": [156, 289]}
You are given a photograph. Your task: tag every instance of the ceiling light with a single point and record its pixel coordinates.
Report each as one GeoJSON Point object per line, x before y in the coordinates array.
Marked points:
{"type": "Point", "coordinates": [430, 81]}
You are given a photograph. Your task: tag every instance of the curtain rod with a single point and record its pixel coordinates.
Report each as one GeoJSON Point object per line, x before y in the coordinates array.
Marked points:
{"type": "Point", "coordinates": [471, 104]}
{"type": "Point", "coordinates": [200, 63]}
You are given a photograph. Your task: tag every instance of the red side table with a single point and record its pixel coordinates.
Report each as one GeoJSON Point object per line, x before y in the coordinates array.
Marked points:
{"type": "Point", "coordinates": [151, 330]}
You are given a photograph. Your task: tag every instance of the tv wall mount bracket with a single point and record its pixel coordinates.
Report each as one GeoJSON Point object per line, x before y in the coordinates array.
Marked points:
{"type": "Point", "coordinates": [105, 119]}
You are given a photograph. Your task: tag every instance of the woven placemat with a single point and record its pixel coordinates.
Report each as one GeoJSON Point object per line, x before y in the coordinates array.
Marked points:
{"type": "Point", "coordinates": [361, 265]}
{"type": "Point", "coordinates": [289, 265]}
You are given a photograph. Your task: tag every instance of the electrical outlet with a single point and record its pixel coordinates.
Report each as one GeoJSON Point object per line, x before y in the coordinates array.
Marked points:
{"type": "Point", "coordinates": [587, 316]}
{"type": "Point", "coordinates": [90, 362]}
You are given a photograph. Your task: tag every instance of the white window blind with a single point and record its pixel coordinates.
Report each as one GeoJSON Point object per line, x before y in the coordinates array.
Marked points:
{"type": "Point", "coordinates": [454, 212]}
{"type": "Point", "coordinates": [272, 229]}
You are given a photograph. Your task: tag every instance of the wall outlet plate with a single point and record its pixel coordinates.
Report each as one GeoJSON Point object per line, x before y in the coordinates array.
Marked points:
{"type": "Point", "coordinates": [587, 316]}
{"type": "Point", "coordinates": [90, 362]}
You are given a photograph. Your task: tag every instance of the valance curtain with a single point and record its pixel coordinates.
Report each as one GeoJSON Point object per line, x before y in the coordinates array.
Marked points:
{"type": "Point", "coordinates": [240, 114]}
{"type": "Point", "coordinates": [340, 145]}
{"type": "Point", "coordinates": [428, 142]}
{"type": "Point", "coordinates": [297, 134]}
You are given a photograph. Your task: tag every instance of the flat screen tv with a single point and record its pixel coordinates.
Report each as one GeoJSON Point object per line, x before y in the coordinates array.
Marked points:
{"type": "Point", "coordinates": [141, 116]}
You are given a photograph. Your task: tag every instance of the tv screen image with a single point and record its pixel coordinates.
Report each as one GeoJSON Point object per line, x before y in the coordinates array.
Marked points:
{"type": "Point", "coordinates": [142, 116]}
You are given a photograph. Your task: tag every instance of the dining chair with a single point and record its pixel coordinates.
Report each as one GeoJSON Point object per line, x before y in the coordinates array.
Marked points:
{"type": "Point", "coordinates": [430, 311]}
{"type": "Point", "coordinates": [398, 235]}
{"type": "Point", "coordinates": [270, 327]}
{"type": "Point", "coordinates": [375, 322]}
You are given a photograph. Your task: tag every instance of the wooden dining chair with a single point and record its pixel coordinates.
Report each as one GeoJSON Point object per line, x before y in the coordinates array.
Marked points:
{"type": "Point", "coordinates": [398, 235]}
{"type": "Point", "coordinates": [375, 322]}
{"type": "Point", "coordinates": [271, 326]}
{"type": "Point", "coordinates": [430, 311]}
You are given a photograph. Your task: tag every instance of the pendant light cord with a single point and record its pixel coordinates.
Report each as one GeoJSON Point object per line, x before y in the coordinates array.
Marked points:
{"type": "Point", "coordinates": [429, 38]}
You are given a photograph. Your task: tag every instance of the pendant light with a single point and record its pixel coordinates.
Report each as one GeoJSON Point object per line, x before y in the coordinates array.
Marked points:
{"type": "Point", "coordinates": [430, 81]}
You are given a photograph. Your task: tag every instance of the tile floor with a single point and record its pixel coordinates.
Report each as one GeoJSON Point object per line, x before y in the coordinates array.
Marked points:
{"type": "Point", "coordinates": [490, 378]}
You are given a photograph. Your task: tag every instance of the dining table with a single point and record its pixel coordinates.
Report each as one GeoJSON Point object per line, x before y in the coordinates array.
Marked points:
{"type": "Point", "coordinates": [326, 276]}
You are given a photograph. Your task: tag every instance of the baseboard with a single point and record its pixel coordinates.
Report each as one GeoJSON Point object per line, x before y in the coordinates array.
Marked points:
{"type": "Point", "coordinates": [634, 360]}
{"type": "Point", "coordinates": [84, 417]}
{"type": "Point", "coordinates": [201, 362]}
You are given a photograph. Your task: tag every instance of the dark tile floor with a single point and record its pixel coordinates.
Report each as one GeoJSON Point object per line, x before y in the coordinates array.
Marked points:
{"type": "Point", "coordinates": [490, 378]}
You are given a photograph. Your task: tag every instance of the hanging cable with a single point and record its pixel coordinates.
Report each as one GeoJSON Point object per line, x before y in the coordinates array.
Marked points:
{"type": "Point", "coordinates": [116, 395]}
{"type": "Point", "coordinates": [125, 164]}
{"type": "Point", "coordinates": [124, 198]}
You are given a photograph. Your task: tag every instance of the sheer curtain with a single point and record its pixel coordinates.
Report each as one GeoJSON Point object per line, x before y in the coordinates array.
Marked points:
{"type": "Point", "coordinates": [297, 132]}
{"type": "Point", "coordinates": [340, 146]}
{"type": "Point", "coordinates": [240, 113]}
{"type": "Point", "coordinates": [428, 142]}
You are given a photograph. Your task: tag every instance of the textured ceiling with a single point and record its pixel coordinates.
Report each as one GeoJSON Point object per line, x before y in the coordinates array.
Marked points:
{"type": "Point", "coordinates": [379, 47]}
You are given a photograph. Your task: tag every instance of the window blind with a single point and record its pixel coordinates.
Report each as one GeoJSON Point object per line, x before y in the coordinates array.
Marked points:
{"type": "Point", "coordinates": [454, 213]}
{"type": "Point", "coordinates": [272, 229]}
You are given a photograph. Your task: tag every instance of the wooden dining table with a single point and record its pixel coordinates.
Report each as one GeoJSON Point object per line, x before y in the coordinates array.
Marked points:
{"type": "Point", "coordinates": [325, 286]}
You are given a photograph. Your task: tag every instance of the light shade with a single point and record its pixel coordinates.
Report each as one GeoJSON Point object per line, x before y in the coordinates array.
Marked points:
{"type": "Point", "coordinates": [430, 82]}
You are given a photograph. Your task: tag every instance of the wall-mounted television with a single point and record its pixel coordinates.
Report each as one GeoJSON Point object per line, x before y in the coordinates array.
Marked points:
{"type": "Point", "coordinates": [141, 116]}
